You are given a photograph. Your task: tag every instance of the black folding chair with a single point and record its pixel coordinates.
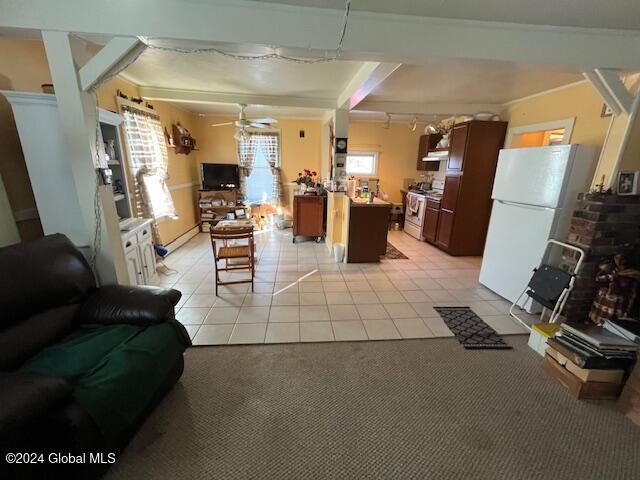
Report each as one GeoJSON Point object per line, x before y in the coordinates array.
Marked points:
{"type": "Point", "coordinates": [550, 286]}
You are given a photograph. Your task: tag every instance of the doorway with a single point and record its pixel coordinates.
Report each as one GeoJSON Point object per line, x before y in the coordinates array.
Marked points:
{"type": "Point", "coordinates": [540, 134]}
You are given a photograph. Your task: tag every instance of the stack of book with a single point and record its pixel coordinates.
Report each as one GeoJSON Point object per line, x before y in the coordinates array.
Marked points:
{"type": "Point", "coordinates": [589, 361]}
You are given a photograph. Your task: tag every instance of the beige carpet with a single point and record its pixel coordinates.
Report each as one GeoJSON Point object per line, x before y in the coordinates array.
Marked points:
{"type": "Point", "coordinates": [394, 409]}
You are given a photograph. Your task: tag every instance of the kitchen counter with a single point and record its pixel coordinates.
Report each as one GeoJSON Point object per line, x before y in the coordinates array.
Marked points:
{"type": "Point", "coordinates": [364, 202]}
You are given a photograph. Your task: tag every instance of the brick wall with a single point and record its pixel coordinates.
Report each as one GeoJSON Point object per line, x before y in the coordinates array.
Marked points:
{"type": "Point", "coordinates": [601, 225]}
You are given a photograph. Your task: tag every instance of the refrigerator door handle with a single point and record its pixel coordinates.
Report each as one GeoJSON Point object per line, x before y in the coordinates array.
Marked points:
{"type": "Point", "coordinates": [525, 205]}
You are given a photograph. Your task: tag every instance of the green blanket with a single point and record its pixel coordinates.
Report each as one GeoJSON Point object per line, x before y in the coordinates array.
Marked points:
{"type": "Point", "coordinates": [115, 369]}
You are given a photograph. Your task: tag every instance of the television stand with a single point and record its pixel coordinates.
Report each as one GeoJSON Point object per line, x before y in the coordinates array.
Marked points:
{"type": "Point", "coordinates": [213, 206]}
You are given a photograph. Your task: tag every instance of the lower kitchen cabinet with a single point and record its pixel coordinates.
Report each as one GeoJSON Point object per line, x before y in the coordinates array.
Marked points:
{"type": "Point", "coordinates": [368, 228]}
{"type": "Point", "coordinates": [134, 266]}
{"type": "Point", "coordinates": [309, 216]}
{"type": "Point", "coordinates": [140, 256]}
{"type": "Point", "coordinates": [445, 229]}
{"type": "Point", "coordinates": [431, 224]}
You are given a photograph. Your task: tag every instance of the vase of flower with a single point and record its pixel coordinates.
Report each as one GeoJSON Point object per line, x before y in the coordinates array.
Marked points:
{"type": "Point", "coordinates": [307, 181]}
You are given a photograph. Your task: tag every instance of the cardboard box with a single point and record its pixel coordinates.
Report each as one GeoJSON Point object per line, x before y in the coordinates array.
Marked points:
{"type": "Point", "coordinates": [586, 374]}
{"type": "Point", "coordinates": [629, 403]}
{"type": "Point", "coordinates": [579, 389]}
{"type": "Point", "coordinates": [634, 376]}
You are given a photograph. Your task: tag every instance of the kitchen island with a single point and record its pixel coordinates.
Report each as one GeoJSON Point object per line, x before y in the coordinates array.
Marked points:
{"type": "Point", "coordinates": [368, 227]}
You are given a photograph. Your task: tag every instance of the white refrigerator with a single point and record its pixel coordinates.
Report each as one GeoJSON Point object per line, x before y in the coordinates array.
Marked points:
{"type": "Point", "coordinates": [534, 194]}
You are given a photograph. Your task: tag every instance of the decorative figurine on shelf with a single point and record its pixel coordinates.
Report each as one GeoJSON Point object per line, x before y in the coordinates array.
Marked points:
{"type": "Point", "coordinates": [444, 128]}
{"type": "Point", "coordinates": [618, 290]}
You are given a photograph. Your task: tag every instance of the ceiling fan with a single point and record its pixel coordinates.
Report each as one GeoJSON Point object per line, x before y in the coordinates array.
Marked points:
{"type": "Point", "coordinates": [243, 123]}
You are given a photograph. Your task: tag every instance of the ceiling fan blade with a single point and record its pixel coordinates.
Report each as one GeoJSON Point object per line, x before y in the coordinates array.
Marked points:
{"type": "Point", "coordinates": [221, 124]}
{"type": "Point", "coordinates": [259, 125]}
{"type": "Point", "coordinates": [264, 120]}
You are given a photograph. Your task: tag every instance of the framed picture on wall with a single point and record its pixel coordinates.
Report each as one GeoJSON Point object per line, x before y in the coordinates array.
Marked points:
{"type": "Point", "coordinates": [628, 182]}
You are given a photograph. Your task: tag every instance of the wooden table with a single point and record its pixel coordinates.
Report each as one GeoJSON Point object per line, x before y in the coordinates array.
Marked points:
{"type": "Point", "coordinates": [230, 225]}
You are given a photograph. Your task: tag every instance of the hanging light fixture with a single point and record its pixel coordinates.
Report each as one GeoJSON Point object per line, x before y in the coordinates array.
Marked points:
{"type": "Point", "coordinates": [414, 124]}
{"type": "Point", "coordinates": [240, 135]}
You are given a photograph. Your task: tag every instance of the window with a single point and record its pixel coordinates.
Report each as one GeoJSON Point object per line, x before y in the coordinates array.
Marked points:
{"type": "Point", "coordinates": [362, 164]}
{"type": "Point", "coordinates": [148, 161]}
{"type": "Point", "coordinates": [260, 182]}
{"type": "Point", "coordinates": [259, 157]}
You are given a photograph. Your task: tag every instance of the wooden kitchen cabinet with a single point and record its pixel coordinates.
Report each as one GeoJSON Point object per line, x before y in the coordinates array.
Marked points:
{"type": "Point", "coordinates": [450, 193]}
{"type": "Point", "coordinates": [458, 146]}
{"type": "Point", "coordinates": [445, 229]}
{"type": "Point", "coordinates": [309, 217]}
{"type": "Point", "coordinates": [430, 228]}
{"type": "Point", "coordinates": [368, 228]}
{"type": "Point", "coordinates": [427, 143]}
{"type": "Point", "coordinates": [466, 200]}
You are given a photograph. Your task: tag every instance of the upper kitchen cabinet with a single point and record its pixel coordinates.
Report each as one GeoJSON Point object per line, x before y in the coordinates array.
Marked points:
{"type": "Point", "coordinates": [428, 143]}
{"type": "Point", "coordinates": [466, 200]}
{"type": "Point", "coordinates": [457, 147]}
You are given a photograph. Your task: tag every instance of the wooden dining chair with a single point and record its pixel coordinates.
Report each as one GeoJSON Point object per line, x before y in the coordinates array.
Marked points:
{"type": "Point", "coordinates": [225, 253]}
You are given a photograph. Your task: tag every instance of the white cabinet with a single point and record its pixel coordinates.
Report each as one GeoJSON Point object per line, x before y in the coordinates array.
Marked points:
{"type": "Point", "coordinates": [134, 266]}
{"type": "Point", "coordinates": [140, 254]}
{"type": "Point", "coordinates": [148, 256]}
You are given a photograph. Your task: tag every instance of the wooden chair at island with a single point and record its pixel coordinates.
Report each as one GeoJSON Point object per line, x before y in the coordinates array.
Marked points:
{"type": "Point", "coordinates": [226, 253]}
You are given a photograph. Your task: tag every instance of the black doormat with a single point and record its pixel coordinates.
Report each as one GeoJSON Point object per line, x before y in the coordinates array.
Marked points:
{"type": "Point", "coordinates": [470, 330]}
{"type": "Point", "coordinates": [393, 253]}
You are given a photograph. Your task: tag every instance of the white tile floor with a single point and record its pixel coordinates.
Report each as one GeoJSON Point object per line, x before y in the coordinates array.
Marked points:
{"type": "Point", "coordinates": [389, 300]}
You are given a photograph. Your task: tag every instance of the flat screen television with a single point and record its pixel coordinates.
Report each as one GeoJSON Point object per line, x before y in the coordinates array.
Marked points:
{"type": "Point", "coordinates": [220, 176]}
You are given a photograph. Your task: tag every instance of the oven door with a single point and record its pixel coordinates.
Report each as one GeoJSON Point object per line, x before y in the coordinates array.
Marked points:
{"type": "Point", "coordinates": [416, 205]}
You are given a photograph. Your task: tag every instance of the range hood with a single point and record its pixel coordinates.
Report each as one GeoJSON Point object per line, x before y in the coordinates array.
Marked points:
{"type": "Point", "coordinates": [436, 156]}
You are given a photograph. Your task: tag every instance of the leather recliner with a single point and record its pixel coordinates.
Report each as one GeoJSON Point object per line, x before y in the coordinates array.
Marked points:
{"type": "Point", "coordinates": [81, 366]}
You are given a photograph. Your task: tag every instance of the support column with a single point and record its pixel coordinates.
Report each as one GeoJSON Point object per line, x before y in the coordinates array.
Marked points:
{"type": "Point", "coordinates": [340, 131]}
{"type": "Point", "coordinates": [338, 203]}
{"type": "Point", "coordinates": [78, 119]}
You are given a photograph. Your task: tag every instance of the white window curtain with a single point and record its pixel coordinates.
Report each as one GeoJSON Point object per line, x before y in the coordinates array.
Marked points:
{"type": "Point", "coordinates": [148, 161]}
{"type": "Point", "coordinates": [269, 143]}
{"type": "Point", "coordinates": [246, 149]}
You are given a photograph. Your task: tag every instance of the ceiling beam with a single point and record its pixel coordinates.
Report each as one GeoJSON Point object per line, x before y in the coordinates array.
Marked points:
{"type": "Point", "coordinates": [366, 79]}
{"type": "Point", "coordinates": [177, 95]}
{"type": "Point", "coordinates": [107, 58]}
{"type": "Point", "coordinates": [611, 89]}
{"type": "Point", "coordinates": [439, 109]}
{"type": "Point", "coordinates": [370, 36]}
